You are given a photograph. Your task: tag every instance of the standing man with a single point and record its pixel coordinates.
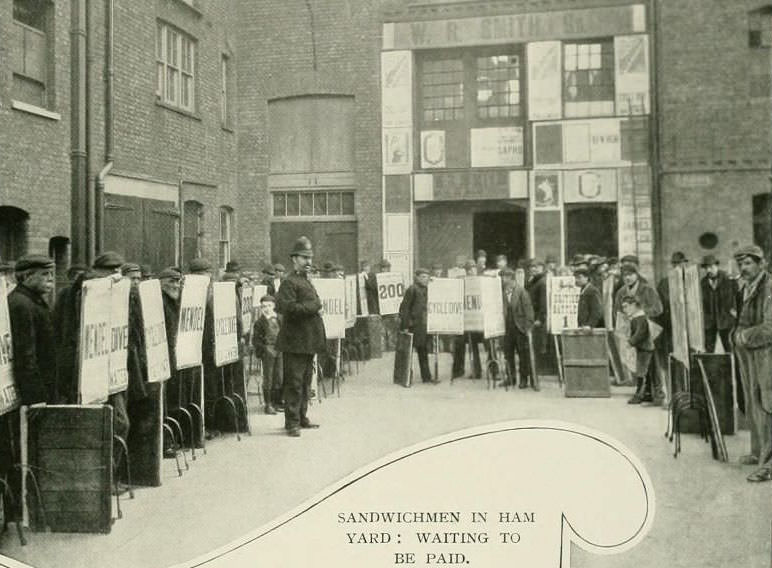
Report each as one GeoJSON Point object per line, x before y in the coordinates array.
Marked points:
{"type": "Point", "coordinates": [481, 258]}
{"type": "Point", "coordinates": [551, 264]}
{"type": "Point", "coordinates": [390, 321]}
{"type": "Point", "coordinates": [475, 338]}
{"type": "Point", "coordinates": [536, 286]}
{"type": "Point", "coordinates": [369, 287]}
{"type": "Point", "coordinates": [519, 319]}
{"type": "Point", "coordinates": [280, 274]}
{"type": "Point", "coordinates": [269, 278]}
{"type": "Point", "coordinates": [436, 270]}
{"type": "Point", "coordinates": [718, 304]}
{"type": "Point", "coordinates": [753, 346]}
{"type": "Point", "coordinates": [170, 280]}
{"type": "Point", "coordinates": [412, 317]}
{"type": "Point", "coordinates": [590, 310]}
{"type": "Point", "coordinates": [300, 338]}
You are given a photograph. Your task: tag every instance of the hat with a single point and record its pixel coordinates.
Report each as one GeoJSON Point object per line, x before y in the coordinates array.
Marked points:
{"type": "Point", "coordinates": [480, 253]}
{"type": "Point", "coordinates": [535, 262]}
{"type": "Point", "coordinates": [229, 277]}
{"type": "Point", "coordinates": [364, 263]}
{"type": "Point", "coordinates": [232, 266]}
{"type": "Point", "coordinates": [268, 298]}
{"type": "Point", "coordinates": [709, 260]}
{"type": "Point", "coordinates": [385, 263]}
{"type": "Point", "coordinates": [551, 258]}
{"type": "Point", "coordinates": [278, 267]}
{"type": "Point", "coordinates": [146, 270]}
{"type": "Point", "coordinates": [109, 259]}
{"type": "Point", "coordinates": [629, 259]}
{"type": "Point", "coordinates": [420, 271]}
{"type": "Point", "coordinates": [269, 270]}
{"type": "Point", "coordinates": [470, 264]}
{"type": "Point", "coordinates": [629, 268]}
{"type": "Point", "coordinates": [741, 253]}
{"type": "Point", "coordinates": [581, 272]}
{"type": "Point", "coordinates": [612, 261]}
{"type": "Point", "coordinates": [578, 259]}
{"type": "Point", "coordinates": [31, 261]}
{"type": "Point", "coordinates": [598, 260]}
{"type": "Point", "coordinates": [328, 267]}
{"type": "Point", "coordinates": [302, 247]}
{"type": "Point", "coordinates": [507, 273]}
{"type": "Point", "coordinates": [170, 273]}
{"type": "Point", "coordinates": [130, 267]}
{"type": "Point", "coordinates": [198, 265]}
{"type": "Point", "coordinates": [501, 257]}
{"type": "Point", "coordinates": [678, 257]}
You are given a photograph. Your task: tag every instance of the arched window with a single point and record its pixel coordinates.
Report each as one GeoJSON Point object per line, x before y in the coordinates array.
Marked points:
{"type": "Point", "coordinates": [192, 230]}
{"type": "Point", "coordinates": [226, 224]}
{"type": "Point", "coordinates": [13, 232]}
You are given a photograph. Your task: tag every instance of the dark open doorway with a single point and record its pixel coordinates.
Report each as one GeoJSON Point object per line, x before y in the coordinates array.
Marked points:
{"type": "Point", "coordinates": [591, 229]}
{"type": "Point", "coordinates": [501, 232]}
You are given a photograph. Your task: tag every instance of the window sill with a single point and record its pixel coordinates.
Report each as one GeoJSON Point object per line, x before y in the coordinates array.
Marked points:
{"type": "Point", "coordinates": [190, 7]}
{"type": "Point", "coordinates": [178, 110]}
{"type": "Point", "coordinates": [36, 110]}
{"type": "Point", "coordinates": [227, 128]}
{"type": "Point", "coordinates": [313, 218]}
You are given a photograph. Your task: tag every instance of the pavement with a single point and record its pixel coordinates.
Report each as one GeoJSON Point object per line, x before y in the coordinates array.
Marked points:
{"type": "Point", "coordinates": [707, 515]}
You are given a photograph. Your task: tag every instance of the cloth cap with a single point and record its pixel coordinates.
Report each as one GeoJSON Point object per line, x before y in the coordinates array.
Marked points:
{"type": "Point", "coordinates": [629, 259]}
{"type": "Point", "coordinates": [278, 267]}
{"type": "Point", "coordinates": [170, 273]}
{"type": "Point", "coordinates": [629, 269]}
{"type": "Point", "coordinates": [109, 259]}
{"type": "Point", "coordinates": [230, 277]}
{"type": "Point", "coordinates": [232, 266]}
{"type": "Point", "coordinates": [302, 247]}
{"type": "Point", "coordinates": [750, 250]}
{"type": "Point", "coordinates": [578, 259]}
{"type": "Point", "coordinates": [130, 267]}
{"type": "Point", "coordinates": [420, 271]}
{"type": "Point", "coordinates": [709, 260]}
{"type": "Point", "coordinates": [269, 270]}
{"type": "Point", "coordinates": [581, 272]}
{"type": "Point", "coordinates": [613, 261]}
{"type": "Point", "coordinates": [268, 298]}
{"type": "Point", "coordinates": [677, 257]}
{"type": "Point", "coordinates": [31, 261]}
{"type": "Point", "coordinates": [199, 265]}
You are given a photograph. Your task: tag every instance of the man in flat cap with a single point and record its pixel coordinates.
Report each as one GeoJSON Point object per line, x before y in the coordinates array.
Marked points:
{"type": "Point", "coordinates": [133, 272]}
{"type": "Point", "coordinates": [590, 309]}
{"type": "Point", "coordinates": [752, 340]}
{"type": "Point", "coordinates": [718, 304]}
{"type": "Point", "coordinates": [269, 279]}
{"type": "Point", "coordinates": [412, 317]}
{"type": "Point", "coordinates": [460, 341]}
{"type": "Point", "coordinates": [436, 271]}
{"type": "Point", "coordinates": [551, 264]}
{"type": "Point", "coordinates": [481, 258]}
{"type": "Point", "coordinates": [518, 319]}
{"type": "Point", "coordinates": [301, 336]}
{"type": "Point", "coordinates": [367, 290]}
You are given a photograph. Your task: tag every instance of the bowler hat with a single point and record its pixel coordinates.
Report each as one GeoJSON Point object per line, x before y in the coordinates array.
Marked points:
{"type": "Point", "coordinates": [232, 266]}
{"type": "Point", "coordinates": [109, 259]}
{"type": "Point", "coordinates": [302, 247]}
{"type": "Point", "coordinates": [169, 273]}
{"type": "Point", "coordinates": [581, 272]}
{"type": "Point", "coordinates": [31, 261]}
{"type": "Point", "coordinates": [198, 265]}
{"type": "Point", "coordinates": [709, 260]}
{"type": "Point", "coordinates": [750, 250]}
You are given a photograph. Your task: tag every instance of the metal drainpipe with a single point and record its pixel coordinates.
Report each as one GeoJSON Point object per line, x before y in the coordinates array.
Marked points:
{"type": "Point", "coordinates": [78, 153]}
{"type": "Point", "coordinates": [109, 128]}
{"type": "Point", "coordinates": [655, 154]}
{"type": "Point", "coordinates": [91, 189]}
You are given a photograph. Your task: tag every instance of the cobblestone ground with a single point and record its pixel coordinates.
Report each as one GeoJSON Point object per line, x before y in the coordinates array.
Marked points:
{"type": "Point", "coordinates": [707, 515]}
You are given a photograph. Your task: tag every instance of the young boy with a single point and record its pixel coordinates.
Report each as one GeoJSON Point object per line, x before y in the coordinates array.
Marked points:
{"type": "Point", "coordinates": [265, 332]}
{"type": "Point", "coordinates": [640, 339]}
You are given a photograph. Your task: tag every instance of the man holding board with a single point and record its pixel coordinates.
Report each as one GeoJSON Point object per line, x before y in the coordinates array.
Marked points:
{"type": "Point", "coordinates": [412, 315]}
{"type": "Point", "coordinates": [519, 319]}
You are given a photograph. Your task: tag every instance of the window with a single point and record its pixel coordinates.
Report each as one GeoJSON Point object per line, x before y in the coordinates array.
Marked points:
{"type": "Point", "coordinates": [226, 220]}
{"type": "Point", "coordinates": [498, 86]}
{"type": "Point", "coordinates": [225, 81]}
{"type": "Point", "coordinates": [442, 89]}
{"type": "Point", "coordinates": [192, 230]}
{"type": "Point", "coordinates": [175, 67]}
{"type": "Point", "coordinates": [31, 52]}
{"type": "Point", "coordinates": [13, 232]}
{"type": "Point", "coordinates": [760, 28]}
{"type": "Point", "coordinates": [313, 203]}
{"type": "Point", "coordinates": [588, 78]}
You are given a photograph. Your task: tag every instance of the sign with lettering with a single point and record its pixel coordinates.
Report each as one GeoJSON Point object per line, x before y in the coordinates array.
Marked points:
{"type": "Point", "coordinates": [445, 306]}
{"type": "Point", "coordinates": [351, 300]}
{"type": "Point", "coordinates": [258, 291]}
{"type": "Point", "coordinates": [397, 89]}
{"type": "Point", "coordinates": [678, 326]}
{"type": "Point", "coordinates": [694, 315]}
{"type": "Point", "coordinates": [473, 309]}
{"type": "Point", "coordinates": [226, 339]}
{"type": "Point", "coordinates": [119, 336]}
{"type": "Point", "coordinates": [332, 293]}
{"type": "Point", "coordinates": [631, 67]}
{"type": "Point", "coordinates": [94, 344]}
{"type": "Point", "coordinates": [246, 308]}
{"type": "Point", "coordinates": [153, 322]}
{"type": "Point", "coordinates": [562, 303]}
{"type": "Point", "coordinates": [583, 186]}
{"type": "Point", "coordinates": [190, 331]}
{"type": "Point", "coordinates": [516, 28]}
{"type": "Point", "coordinates": [9, 392]}
{"type": "Point", "coordinates": [391, 289]}
{"type": "Point", "coordinates": [472, 184]}
{"type": "Point", "coordinates": [432, 148]}
{"type": "Point", "coordinates": [492, 147]}
{"type": "Point", "coordinates": [544, 80]}
{"type": "Point", "coordinates": [493, 307]}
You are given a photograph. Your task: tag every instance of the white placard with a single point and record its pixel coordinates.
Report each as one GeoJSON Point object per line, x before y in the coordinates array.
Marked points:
{"type": "Point", "coordinates": [492, 147]}
{"type": "Point", "coordinates": [398, 231]}
{"type": "Point", "coordinates": [445, 306]}
{"type": "Point", "coordinates": [94, 343]}
{"type": "Point", "coordinates": [562, 303]}
{"type": "Point", "coordinates": [332, 293]}
{"type": "Point", "coordinates": [456, 272]}
{"type": "Point", "coordinates": [9, 393]}
{"type": "Point", "coordinates": [391, 289]}
{"type": "Point", "coordinates": [396, 88]}
{"type": "Point", "coordinates": [631, 66]}
{"type": "Point", "coordinates": [190, 331]}
{"type": "Point", "coordinates": [363, 309]}
{"type": "Point", "coordinates": [226, 338]}
{"type": "Point", "coordinates": [351, 300]}
{"type": "Point", "coordinates": [544, 80]}
{"type": "Point", "coordinates": [493, 307]}
{"type": "Point", "coordinates": [433, 149]}
{"type": "Point", "coordinates": [247, 306]}
{"type": "Point", "coordinates": [154, 324]}
{"type": "Point", "coordinates": [119, 336]}
{"type": "Point", "coordinates": [473, 308]}
{"type": "Point", "coordinates": [258, 291]}
{"type": "Point", "coordinates": [582, 186]}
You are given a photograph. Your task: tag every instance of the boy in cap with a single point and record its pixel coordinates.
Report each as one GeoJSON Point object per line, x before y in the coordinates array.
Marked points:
{"type": "Point", "coordinates": [264, 336]}
{"type": "Point", "coordinates": [640, 339]}
{"type": "Point", "coordinates": [590, 309]}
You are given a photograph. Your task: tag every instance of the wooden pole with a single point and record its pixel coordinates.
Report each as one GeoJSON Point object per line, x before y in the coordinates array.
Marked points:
{"type": "Point", "coordinates": [24, 452]}
{"type": "Point", "coordinates": [436, 357]}
{"type": "Point", "coordinates": [337, 366]}
{"type": "Point", "coordinates": [559, 358]}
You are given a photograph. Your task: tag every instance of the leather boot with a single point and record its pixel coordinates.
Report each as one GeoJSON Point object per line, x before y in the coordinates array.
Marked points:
{"type": "Point", "coordinates": [637, 398]}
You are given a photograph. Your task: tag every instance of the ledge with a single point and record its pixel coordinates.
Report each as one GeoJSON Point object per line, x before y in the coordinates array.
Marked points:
{"type": "Point", "coordinates": [36, 110]}
{"type": "Point", "coordinates": [183, 112]}
{"type": "Point", "coordinates": [190, 7]}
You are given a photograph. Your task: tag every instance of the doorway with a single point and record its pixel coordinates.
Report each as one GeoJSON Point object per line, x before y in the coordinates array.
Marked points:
{"type": "Point", "coordinates": [501, 232]}
{"type": "Point", "coordinates": [591, 229]}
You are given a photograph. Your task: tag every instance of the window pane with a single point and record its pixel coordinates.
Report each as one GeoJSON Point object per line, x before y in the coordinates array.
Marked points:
{"type": "Point", "coordinates": [348, 203]}
{"type": "Point", "coordinates": [171, 85]}
{"type": "Point", "coordinates": [442, 84]}
{"type": "Point", "coordinates": [334, 203]}
{"type": "Point", "coordinates": [320, 203]}
{"type": "Point", "coordinates": [293, 204]}
{"type": "Point", "coordinates": [306, 203]}
{"type": "Point", "coordinates": [498, 86]}
{"type": "Point", "coordinates": [279, 204]}
{"type": "Point", "coordinates": [171, 48]}
{"type": "Point", "coordinates": [159, 42]}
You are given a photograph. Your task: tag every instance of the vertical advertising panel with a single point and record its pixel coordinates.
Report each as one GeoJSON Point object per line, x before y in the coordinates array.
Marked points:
{"type": "Point", "coordinates": [493, 307]}
{"type": "Point", "coordinates": [226, 340]}
{"type": "Point", "coordinates": [247, 303]}
{"type": "Point", "coordinates": [9, 392]}
{"type": "Point", "coordinates": [473, 308]}
{"type": "Point", "coordinates": [445, 306]}
{"type": "Point", "coordinates": [397, 89]}
{"type": "Point", "coordinates": [631, 68]}
{"type": "Point", "coordinates": [119, 335]}
{"type": "Point", "coordinates": [332, 293]}
{"type": "Point", "coordinates": [544, 80]}
{"type": "Point", "coordinates": [94, 344]}
{"type": "Point", "coordinates": [562, 303]}
{"type": "Point", "coordinates": [190, 330]}
{"type": "Point", "coordinates": [351, 300]}
{"type": "Point", "coordinates": [156, 346]}
{"type": "Point", "coordinates": [391, 290]}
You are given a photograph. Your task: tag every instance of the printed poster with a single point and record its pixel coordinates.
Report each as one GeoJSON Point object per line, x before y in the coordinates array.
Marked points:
{"type": "Point", "coordinates": [445, 306]}
{"type": "Point", "coordinates": [391, 290]}
{"type": "Point", "coordinates": [156, 342]}
{"type": "Point", "coordinates": [119, 335]}
{"type": "Point", "coordinates": [226, 338]}
{"type": "Point", "coordinates": [332, 293]}
{"type": "Point", "coordinates": [95, 342]}
{"type": "Point", "coordinates": [545, 87]}
{"type": "Point", "coordinates": [190, 331]}
{"type": "Point", "coordinates": [494, 147]}
{"type": "Point", "coordinates": [493, 307]}
{"type": "Point", "coordinates": [247, 303]}
{"type": "Point", "coordinates": [351, 300]}
{"type": "Point", "coordinates": [562, 303]}
{"type": "Point", "coordinates": [631, 67]}
{"type": "Point", "coordinates": [9, 393]}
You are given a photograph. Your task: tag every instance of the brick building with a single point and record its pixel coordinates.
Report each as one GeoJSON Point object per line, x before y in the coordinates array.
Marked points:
{"type": "Point", "coordinates": [418, 130]}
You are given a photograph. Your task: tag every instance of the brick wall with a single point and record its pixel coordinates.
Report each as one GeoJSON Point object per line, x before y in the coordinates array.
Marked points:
{"type": "Point", "coordinates": [35, 151]}
{"type": "Point", "coordinates": [347, 34]}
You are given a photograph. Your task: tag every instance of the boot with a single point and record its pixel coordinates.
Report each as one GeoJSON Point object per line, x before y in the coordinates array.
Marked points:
{"type": "Point", "coordinates": [638, 397]}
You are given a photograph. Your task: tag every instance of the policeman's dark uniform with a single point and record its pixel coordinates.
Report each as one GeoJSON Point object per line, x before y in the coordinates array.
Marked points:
{"type": "Point", "coordinates": [300, 338]}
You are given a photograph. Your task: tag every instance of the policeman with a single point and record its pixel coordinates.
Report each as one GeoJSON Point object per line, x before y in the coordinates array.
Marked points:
{"type": "Point", "coordinates": [301, 336]}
